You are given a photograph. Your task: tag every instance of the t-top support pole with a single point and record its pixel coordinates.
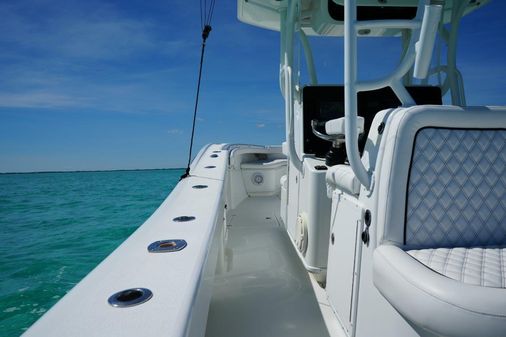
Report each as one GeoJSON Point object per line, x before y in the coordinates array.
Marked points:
{"type": "Point", "coordinates": [352, 86]}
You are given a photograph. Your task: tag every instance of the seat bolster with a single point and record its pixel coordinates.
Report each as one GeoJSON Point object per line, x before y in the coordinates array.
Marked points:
{"type": "Point", "coordinates": [434, 302]}
{"type": "Point", "coordinates": [343, 178]}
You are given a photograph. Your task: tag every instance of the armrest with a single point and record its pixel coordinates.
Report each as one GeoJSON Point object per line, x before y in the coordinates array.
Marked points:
{"type": "Point", "coordinates": [435, 302]}
{"type": "Point", "coordinates": [342, 177]}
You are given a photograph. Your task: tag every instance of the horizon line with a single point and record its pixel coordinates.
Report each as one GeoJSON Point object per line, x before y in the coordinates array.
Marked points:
{"type": "Point", "coordinates": [90, 171]}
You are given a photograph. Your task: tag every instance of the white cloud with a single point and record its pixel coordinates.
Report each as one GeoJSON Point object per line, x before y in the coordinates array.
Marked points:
{"type": "Point", "coordinates": [63, 59]}
{"type": "Point", "coordinates": [40, 99]}
{"type": "Point", "coordinates": [103, 33]}
{"type": "Point", "coordinates": [260, 125]}
{"type": "Point", "coordinates": [175, 132]}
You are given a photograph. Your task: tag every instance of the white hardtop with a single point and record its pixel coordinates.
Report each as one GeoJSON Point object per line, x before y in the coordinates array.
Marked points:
{"type": "Point", "coordinates": [316, 18]}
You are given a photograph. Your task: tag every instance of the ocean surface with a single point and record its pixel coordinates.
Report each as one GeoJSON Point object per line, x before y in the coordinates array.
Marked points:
{"type": "Point", "coordinates": [56, 227]}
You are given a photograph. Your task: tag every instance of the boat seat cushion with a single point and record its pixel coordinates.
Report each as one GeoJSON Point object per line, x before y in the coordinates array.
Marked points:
{"type": "Point", "coordinates": [264, 164]}
{"type": "Point", "coordinates": [456, 187]}
{"type": "Point", "coordinates": [438, 303]}
{"type": "Point", "coordinates": [441, 223]}
{"type": "Point", "coordinates": [484, 267]}
{"type": "Point", "coordinates": [440, 180]}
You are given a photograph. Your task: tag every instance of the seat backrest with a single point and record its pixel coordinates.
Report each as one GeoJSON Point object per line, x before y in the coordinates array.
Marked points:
{"type": "Point", "coordinates": [442, 177]}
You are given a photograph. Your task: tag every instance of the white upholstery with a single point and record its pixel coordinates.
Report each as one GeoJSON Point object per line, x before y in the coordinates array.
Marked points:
{"type": "Point", "coordinates": [435, 302]}
{"type": "Point", "coordinates": [456, 188]}
{"type": "Point", "coordinates": [394, 163]}
{"type": "Point", "coordinates": [476, 266]}
{"type": "Point", "coordinates": [264, 164]}
{"type": "Point", "coordinates": [441, 225]}
{"type": "Point", "coordinates": [342, 178]}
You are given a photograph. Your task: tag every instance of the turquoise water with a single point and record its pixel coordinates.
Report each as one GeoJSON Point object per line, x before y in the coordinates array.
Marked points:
{"type": "Point", "coordinates": [56, 227]}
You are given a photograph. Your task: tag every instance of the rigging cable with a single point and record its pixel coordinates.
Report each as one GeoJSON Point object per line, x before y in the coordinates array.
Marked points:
{"type": "Point", "coordinates": [206, 15]}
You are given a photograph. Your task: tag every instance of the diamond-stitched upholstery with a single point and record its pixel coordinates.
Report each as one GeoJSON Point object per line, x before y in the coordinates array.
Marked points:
{"type": "Point", "coordinates": [456, 189]}
{"type": "Point", "coordinates": [441, 219]}
{"type": "Point", "coordinates": [476, 266]}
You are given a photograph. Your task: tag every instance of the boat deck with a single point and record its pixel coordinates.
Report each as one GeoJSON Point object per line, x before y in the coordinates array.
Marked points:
{"type": "Point", "coordinates": [265, 290]}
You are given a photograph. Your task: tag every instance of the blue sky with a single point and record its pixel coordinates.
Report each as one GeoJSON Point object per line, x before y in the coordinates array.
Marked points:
{"type": "Point", "coordinates": [88, 85]}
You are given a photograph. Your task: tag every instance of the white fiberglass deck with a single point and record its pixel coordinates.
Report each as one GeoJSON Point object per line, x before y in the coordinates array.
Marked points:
{"type": "Point", "coordinates": [265, 290]}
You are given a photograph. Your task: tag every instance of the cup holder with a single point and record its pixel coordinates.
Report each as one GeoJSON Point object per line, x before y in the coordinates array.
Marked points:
{"type": "Point", "coordinates": [130, 297]}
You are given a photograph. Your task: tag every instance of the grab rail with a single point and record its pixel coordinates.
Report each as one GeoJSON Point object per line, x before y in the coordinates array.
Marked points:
{"type": "Point", "coordinates": [287, 32]}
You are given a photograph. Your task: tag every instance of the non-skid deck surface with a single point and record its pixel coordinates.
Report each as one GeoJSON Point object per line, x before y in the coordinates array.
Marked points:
{"type": "Point", "coordinates": [265, 291]}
